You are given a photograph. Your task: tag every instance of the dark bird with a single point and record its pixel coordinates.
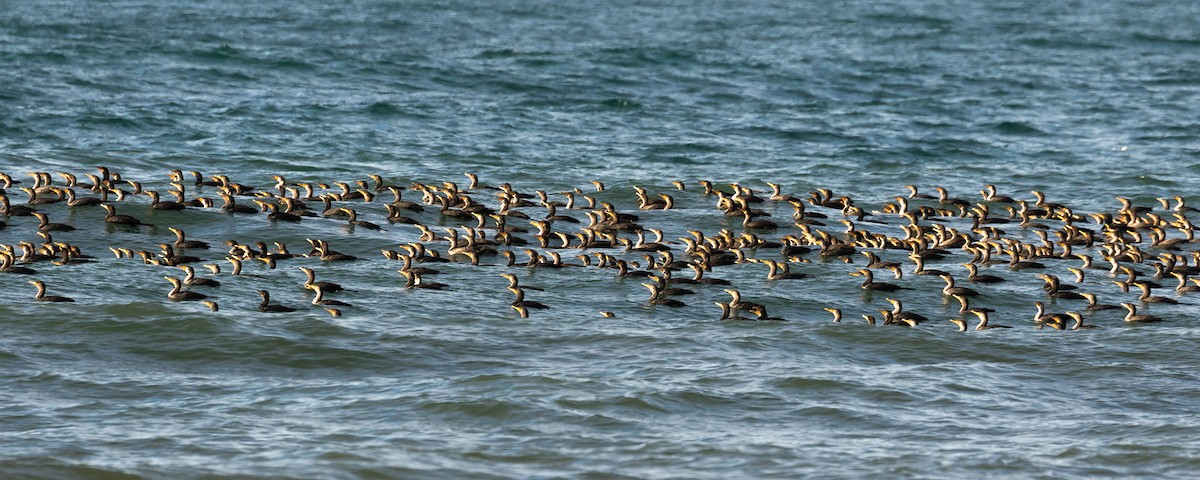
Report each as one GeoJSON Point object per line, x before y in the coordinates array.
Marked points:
{"type": "Point", "coordinates": [41, 294]}
{"type": "Point", "coordinates": [44, 224]}
{"type": "Point", "coordinates": [265, 305]}
{"type": "Point", "coordinates": [310, 279]}
{"type": "Point", "coordinates": [113, 218]}
{"type": "Point", "coordinates": [521, 301]}
{"type": "Point", "coordinates": [320, 300]}
{"type": "Point", "coordinates": [178, 294]}
{"type": "Point", "coordinates": [870, 284]}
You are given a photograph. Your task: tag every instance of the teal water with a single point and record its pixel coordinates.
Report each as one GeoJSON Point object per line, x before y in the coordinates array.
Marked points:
{"type": "Point", "coordinates": [1083, 100]}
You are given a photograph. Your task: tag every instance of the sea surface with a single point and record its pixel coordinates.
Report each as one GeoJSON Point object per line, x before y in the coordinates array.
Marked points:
{"type": "Point", "coordinates": [1083, 100]}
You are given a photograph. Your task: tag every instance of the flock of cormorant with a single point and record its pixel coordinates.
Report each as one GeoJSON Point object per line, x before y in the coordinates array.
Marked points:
{"type": "Point", "coordinates": [1137, 246]}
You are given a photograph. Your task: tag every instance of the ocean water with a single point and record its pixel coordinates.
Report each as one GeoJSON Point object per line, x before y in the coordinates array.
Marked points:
{"type": "Point", "coordinates": [1085, 100]}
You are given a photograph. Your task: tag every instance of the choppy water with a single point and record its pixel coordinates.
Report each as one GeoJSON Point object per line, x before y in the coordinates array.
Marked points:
{"type": "Point", "coordinates": [1084, 100]}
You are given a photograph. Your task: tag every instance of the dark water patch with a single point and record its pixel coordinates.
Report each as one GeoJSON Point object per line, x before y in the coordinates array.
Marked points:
{"type": "Point", "coordinates": [1173, 77]}
{"type": "Point", "coordinates": [151, 328]}
{"type": "Point", "coordinates": [550, 93]}
{"type": "Point", "coordinates": [620, 104]}
{"type": "Point", "coordinates": [1182, 137]}
{"type": "Point", "coordinates": [235, 111]}
{"type": "Point", "coordinates": [695, 147]}
{"type": "Point", "coordinates": [478, 408]}
{"type": "Point", "coordinates": [808, 384]}
{"type": "Point", "coordinates": [6, 355]}
{"type": "Point", "coordinates": [228, 54]}
{"type": "Point", "coordinates": [487, 379]}
{"type": "Point", "coordinates": [837, 416]}
{"type": "Point", "coordinates": [625, 405]}
{"type": "Point", "coordinates": [53, 469]}
{"type": "Point", "coordinates": [721, 98]}
{"type": "Point", "coordinates": [340, 456]}
{"type": "Point", "coordinates": [109, 86]}
{"type": "Point", "coordinates": [390, 472]}
{"type": "Point", "coordinates": [384, 109]}
{"type": "Point", "coordinates": [222, 74]}
{"type": "Point", "coordinates": [512, 53]}
{"type": "Point", "coordinates": [1165, 40]}
{"type": "Point", "coordinates": [916, 153]}
{"type": "Point", "coordinates": [644, 56]}
{"type": "Point", "coordinates": [1018, 129]}
{"type": "Point", "coordinates": [539, 63]}
{"type": "Point", "coordinates": [287, 63]}
{"type": "Point", "coordinates": [497, 456]}
{"type": "Point", "coordinates": [113, 121]}
{"type": "Point", "coordinates": [686, 400]}
{"type": "Point", "coordinates": [315, 326]}
{"type": "Point", "coordinates": [667, 160]}
{"type": "Point", "coordinates": [907, 19]}
{"type": "Point", "coordinates": [1144, 460]}
{"type": "Point", "coordinates": [1150, 180]}
{"type": "Point", "coordinates": [499, 53]}
{"type": "Point", "coordinates": [18, 94]}
{"type": "Point", "coordinates": [222, 52]}
{"type": "Point", "coordinates": [1066, 43]}
{"type": "Point", "coordinates": [48, 57]}
{"type": "Point", "coordinates": [961, 389]}
{"type": "Point", "coordinates": [821, 136]}
{"type": "Point", "coordinates": [275, 351]}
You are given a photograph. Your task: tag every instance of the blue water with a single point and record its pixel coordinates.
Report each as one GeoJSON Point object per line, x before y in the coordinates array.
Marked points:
{"type": "Point", "coordinates": [1085, 101]}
